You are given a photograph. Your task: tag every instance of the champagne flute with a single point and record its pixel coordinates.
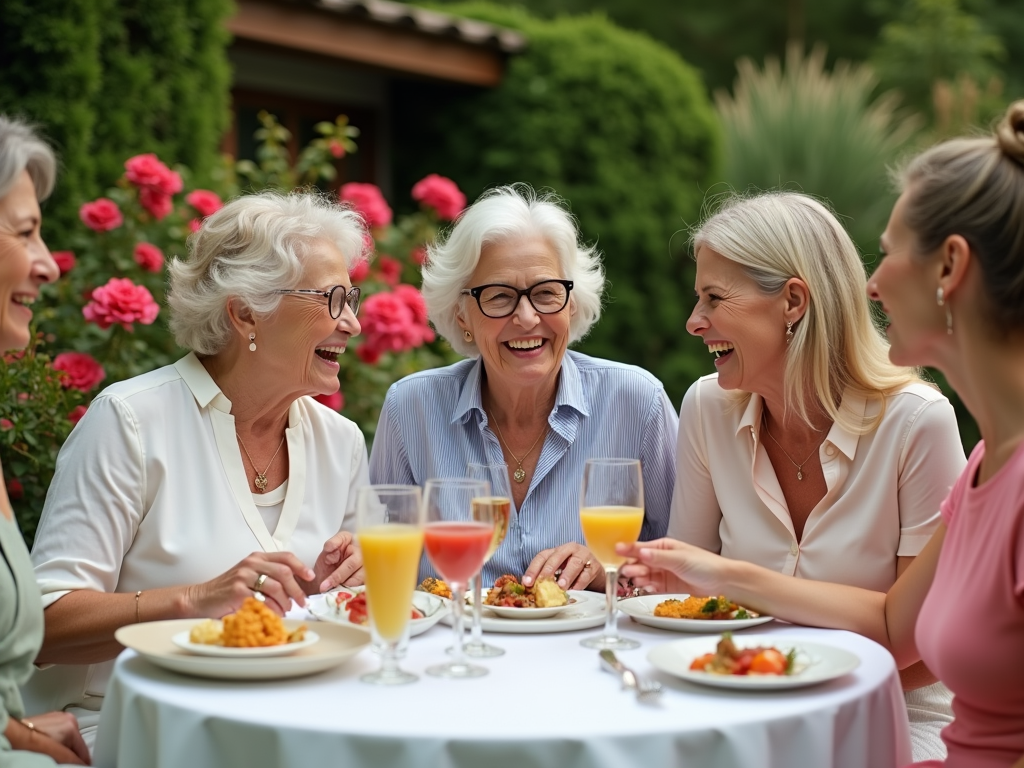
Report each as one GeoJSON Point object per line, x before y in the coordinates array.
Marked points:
{"type": "Point", "coordinates": [611, 511]}
{"type": "Point", "coordinates": [389, 529]}
{"type": "Point", "coordinates": [497, 506]}
{"type": "Point", "coordinates": [456, 545]}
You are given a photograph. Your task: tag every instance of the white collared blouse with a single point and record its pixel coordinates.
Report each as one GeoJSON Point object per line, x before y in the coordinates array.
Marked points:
{"type": "Point", "coordinates": [150, 491]}
{"type": "Point", "coordinates": [883, 488]}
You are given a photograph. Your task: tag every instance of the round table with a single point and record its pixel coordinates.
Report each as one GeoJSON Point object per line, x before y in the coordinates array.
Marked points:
{"type": "Point", "coordinates": [546, 702]}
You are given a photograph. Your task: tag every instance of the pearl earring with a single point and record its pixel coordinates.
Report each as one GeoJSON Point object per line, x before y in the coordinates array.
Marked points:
{"type": "Point", "coordinates": [252, 342]}
{"type": "Point", "coordinates": [468, 337]}
{"type": "Point", "coordinates": [940, 299]}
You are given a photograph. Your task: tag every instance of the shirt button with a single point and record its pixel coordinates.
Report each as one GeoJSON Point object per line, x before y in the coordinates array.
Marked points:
{"type": "Point", "coordinates": [794, 549]}
{"type": "Point", "coordinates": [830, 451]}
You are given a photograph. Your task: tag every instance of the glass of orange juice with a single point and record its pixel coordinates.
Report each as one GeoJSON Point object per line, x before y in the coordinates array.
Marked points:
{"type": "Point", "coordinates": [389, 529]}
{"type": "Point", "coordinates": [611, 511]}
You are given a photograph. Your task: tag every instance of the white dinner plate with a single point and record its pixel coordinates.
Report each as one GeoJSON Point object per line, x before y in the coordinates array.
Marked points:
{"type": "Point", "coordinates": [817, 662]}
{"type": "Point", "coordinates": [587, 612]}
{"type": "Point", "coordinates": [641, 609]}
{"type": "Point", "coordinates": [152, 640]}
{"type": "Point", "coordinates": [432, 607]}
{"type": "Point", "coordinates": [202, 649]}
{"type": "Point", "coordinates": [528, 614]}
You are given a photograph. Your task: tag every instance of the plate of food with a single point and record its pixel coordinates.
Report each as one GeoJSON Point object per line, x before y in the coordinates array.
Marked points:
{"type": "Point", "coordinates": [509, 599]}
{"type": "Point", "coordinates": [753, 662]}
{"type": "Point", "coordinates": [686, 613]}
{"type": "Point", "coordinates": [348, 606]}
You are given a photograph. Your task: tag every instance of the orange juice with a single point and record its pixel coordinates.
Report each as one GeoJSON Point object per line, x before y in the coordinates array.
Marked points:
{"type": "Point", "coordinates": [604, 527]}
{"type": "Point", "coordinates": [391, 559]}
{"type": "Point", "coordinates": [496, 508]}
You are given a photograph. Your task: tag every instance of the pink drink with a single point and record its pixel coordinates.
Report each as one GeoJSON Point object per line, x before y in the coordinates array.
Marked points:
{"type": "Point", "coordinates": [458, 549]}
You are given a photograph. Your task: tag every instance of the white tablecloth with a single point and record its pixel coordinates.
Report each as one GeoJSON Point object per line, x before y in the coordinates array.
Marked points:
{"type": "Point", "coordinates": [546, 702]}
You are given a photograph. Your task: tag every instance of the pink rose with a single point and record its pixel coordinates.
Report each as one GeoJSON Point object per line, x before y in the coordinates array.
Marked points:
{"type": "Point", "coordinates": [419, 255]}
{"type": "Point", "coordinates": [336, 148]}
{"type": "Point", "coordinates": [390, 270]}
{"type": "Point", "coordinates": [369, 355]}
{"type": "Point", "coordinates": [389, 325]}
{"type": "Point", "coordinates": [65, 261]}
{"type": "Point", "coordinates": [204, 201]}
{"type": "Point", "coordinates": [15, 490]}
{"type": "Point", "coordinates": [441, 194]}
{"type": "Point", "coordinates": [195, 225]}
{"type": "Point", "coordinates": [335, 402]}
{"type": "Point", "coordinates": [6, 424]}
{"type": "Point", "coordinates": [359, 272]}
{"type": "Point", "coordinates": [414, 301]}
{"type": "Point", "coordinates": [368, 201]}
{"type": "Point", "coordinates": [101, 215]}
{"type": "Point", "coordinates": [147, 172]}
{"type": "Point", "coordinates": [123, 302]}
{"type": "Point", "coordinates": [149, 257]}
{"type": "Point", "coordinates": [80, 371]}
{"type": "Point", "coordinates": [156, 201]}
{"type": "Point", "coordinates": [76, 414]}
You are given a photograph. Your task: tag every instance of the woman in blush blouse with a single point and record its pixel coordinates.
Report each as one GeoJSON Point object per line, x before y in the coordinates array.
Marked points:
{"type": "Point", "coordinates": [808, 453]}
{"type": "Point", "coordinates": [511, 288]}
{"type": "Point", "coordinates": [952, 286]}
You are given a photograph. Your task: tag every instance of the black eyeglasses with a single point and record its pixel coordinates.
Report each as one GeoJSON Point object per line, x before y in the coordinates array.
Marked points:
{"type": "Point", "coordinates": [498, 300]}
{"type": "Point", "coordinates": [337, 298]}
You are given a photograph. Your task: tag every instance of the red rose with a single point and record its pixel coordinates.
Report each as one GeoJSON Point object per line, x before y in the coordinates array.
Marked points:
{"type": "Point", "coordinates": [414, 301]}
{"type": "Point", "coordinates": [359, 272]}
{"type": "Point", "coordinates": [156, 201]}
{"type": "Point", "coordinates": [15, 490]}
{"type": "Point", "coordinates": [419, 255]}
{"type": "Point", "coordinates": [368, 201]}
{"type": "Point", "coordinates": [6, 424]}
{"type": "Point", "coordinates": [76, 414]}
{"type": "Point", "coordinates": [101, 215]}
{"type": "Point", "coordinates": [390, 270]}
{"type": "Point", "coordinates": [149, 257]}
{"type": "Point", "coordinates": [65, 261]}
{"type": "Point", "coordinates": [441, 194]}
{"type": "Point", "coordinates": [80, 371]}
{"type": "Point", "coordinates": [335, 402]}
{"type": "Point", "coordinates": [195, 225]}
{"type": "Point", "coordinates": [204, 201]}
{"type": "Point", "coordinates": [369, 355]}
{"type": "Point", "coordinates": [390, 325]}
{"type": "Point", "coordinates": [147, 172]}
{"type": "Point", "coordinates": [336, 148]}
{"type": "Point", "coordinates": [123, 302]}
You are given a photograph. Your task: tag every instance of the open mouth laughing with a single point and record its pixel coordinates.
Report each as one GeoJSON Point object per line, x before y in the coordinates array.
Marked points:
{"type": "Point", "coordinates": [525, 345]}
{"type": "Point", "coordinates": [330, 354]}
{"type": "Point", "coordinates": [720, 349]}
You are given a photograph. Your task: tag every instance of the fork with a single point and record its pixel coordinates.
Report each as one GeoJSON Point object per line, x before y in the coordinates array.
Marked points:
{"type": "Point", "coordinates": [646, 690]}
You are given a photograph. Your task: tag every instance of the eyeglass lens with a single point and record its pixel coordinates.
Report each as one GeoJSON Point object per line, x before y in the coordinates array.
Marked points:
{"type": "Point", "coordinates": [499, 300]}
{"type": "Point", "coordinates": [339, 298]}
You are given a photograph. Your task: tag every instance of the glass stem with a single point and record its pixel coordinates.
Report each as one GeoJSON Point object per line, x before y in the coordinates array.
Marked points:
{"type": "Point", "coordinates": [457, 602]}
{"type": "Point", "coordinates": [389, 659]}
{"type": "Point", "coordinates": [611, 581]}
{"type": "Point", "coordinates": [476, 632]}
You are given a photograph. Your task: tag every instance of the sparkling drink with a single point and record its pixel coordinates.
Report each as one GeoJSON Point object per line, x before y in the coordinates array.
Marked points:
{"type": "Point", "coordinates": [604, 527]}
{"type": "Point", "coordinates": [458, 549]}
{"type": "Point", "coordinates": [496, 509]}
{"type": "Point", "coordinates": [391, 559]}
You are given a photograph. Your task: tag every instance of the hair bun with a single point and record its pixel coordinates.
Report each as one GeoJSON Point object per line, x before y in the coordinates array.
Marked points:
{"type": "Point", "coordinates": [1010, 132]}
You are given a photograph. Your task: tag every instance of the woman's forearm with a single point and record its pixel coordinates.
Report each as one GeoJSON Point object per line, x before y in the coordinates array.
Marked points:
{"type": "Point", "coordinates": [80, 626]}
{"type": "Point", "coordinates": [25, 739]}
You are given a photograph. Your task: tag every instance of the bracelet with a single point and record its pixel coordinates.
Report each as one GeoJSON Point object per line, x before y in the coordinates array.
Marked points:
{"type": "Point", "coordinates": [28, 724]}
{"type": "Point", "coordinates": [138, 620]}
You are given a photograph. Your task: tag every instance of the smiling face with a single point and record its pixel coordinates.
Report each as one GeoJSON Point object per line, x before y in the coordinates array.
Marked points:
{"type": "Point", "coordinates": [301, 341]}
{"type": "Point", "coordinates": [905, 283]}
{"type": "Point", "coordinates": [526, 348]}
{"type": "Point", "coordinates": [745, 329]}
{"type": "Point", "coordinates": [25, 262]}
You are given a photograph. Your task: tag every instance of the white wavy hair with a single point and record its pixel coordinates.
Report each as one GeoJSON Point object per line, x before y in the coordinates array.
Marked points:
{"type": "Point", "coordinates": [251, 247]}
{"type": "Point", "coordinates": [22, 150]}
{"type": "Point", "coordinates": [501, 214]}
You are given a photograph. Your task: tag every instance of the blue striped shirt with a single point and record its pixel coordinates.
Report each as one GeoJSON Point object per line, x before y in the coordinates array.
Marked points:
{"type": "Point", "coordinates": [433, 424]}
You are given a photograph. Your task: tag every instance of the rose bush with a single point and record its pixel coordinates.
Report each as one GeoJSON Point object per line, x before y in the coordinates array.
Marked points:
{"type": "Point", "coordinates": [102, 320]}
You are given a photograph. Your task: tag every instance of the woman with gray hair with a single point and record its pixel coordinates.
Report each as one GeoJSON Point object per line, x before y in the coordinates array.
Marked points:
{"type": "Point", "coordinates": [219, 477]}
{"type": "Point", "coordinates": [27, 172]}
{"type": "Point", "coordinates": [511, 288]}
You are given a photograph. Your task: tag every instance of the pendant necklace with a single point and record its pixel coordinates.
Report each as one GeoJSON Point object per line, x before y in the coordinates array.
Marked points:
{"type": "Point", "coordinates": [520, 474]}
{"type": "Point", "coordinates": [261, 477]}
{"type": "Point", "coordinates": [800, 466]}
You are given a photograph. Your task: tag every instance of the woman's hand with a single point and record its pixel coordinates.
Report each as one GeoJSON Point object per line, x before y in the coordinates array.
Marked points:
{"type": "Point", "coordinates": [667, 565]}
{"type": "Point", "coordinates": [54, 733]}
{"type": "Point", "coordinates": [225, 594]}
{"type": "Point", "coordinates": [340, 562]}
{"type": "Point", "coordinates": [571, 565]}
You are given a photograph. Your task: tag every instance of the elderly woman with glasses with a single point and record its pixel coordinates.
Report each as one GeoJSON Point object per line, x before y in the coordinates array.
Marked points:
{"type": "Point", "coordinates": [188, 489]}
{"type": "Point", "coordinates": [511, 288]}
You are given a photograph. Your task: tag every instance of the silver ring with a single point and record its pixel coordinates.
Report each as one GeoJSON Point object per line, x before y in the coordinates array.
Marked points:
{"type": "Point", "coordinates": [260, 580]}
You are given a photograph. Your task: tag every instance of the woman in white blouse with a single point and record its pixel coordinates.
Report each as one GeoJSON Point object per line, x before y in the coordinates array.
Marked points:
{"type": "Point", "coordinates": [808, 452]}
{"type": "Point", "coordinates": [185, 490]}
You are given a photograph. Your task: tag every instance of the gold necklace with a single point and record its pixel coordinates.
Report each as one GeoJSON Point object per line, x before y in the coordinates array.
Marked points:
{"type": "Point", "coordinates": [800, 466]}
{"type": "Point", "coordinates": [261, 477]}
{"type": "Point", "coordinates": [520, 474]}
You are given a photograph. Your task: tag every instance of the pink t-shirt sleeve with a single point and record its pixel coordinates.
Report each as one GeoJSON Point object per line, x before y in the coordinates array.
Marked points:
{"type": "Point", "coordinates": [956, 493]}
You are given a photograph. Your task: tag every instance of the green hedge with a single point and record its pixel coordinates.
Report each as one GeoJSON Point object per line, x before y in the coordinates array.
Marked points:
{"type": "Point", "coordinates": [620, 126]}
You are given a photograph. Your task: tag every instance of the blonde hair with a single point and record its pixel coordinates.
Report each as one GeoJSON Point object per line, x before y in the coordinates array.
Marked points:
{"type": "Point", "coordinates": [974, 187]}
{"type": "Point", "coordinates": [248, 249]}
{"type": "Point", "coordinates": [836, 347]}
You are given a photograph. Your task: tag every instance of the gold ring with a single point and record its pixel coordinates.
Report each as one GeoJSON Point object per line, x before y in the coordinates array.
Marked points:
{"type": "Point", "coordinates": [586, 565]}
{"type": "Point", "coordinates": [260, 580]}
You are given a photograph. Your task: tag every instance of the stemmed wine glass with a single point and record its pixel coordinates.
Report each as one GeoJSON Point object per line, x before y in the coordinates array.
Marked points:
{"type": "Point", "coordinates": [456, 544]}
{"type": "Point", "coordinates": [497, 506]}
{"type": "Point", "coordinates": [389, 529]}
{"type": "Point", "coordinates": [611, 511]}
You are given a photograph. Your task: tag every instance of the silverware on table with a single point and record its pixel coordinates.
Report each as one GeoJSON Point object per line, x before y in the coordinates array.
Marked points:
{"type": "Point", "coordinates": [646, 690]}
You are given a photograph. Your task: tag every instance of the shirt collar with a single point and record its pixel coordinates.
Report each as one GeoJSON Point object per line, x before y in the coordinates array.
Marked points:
{"type": "Point", "coordinates": [204, 389]}
{"type": "Point", "coordinates": [838, 436]}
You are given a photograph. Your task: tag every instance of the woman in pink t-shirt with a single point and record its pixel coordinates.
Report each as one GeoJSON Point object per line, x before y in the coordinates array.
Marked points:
{"type": "Point", "coordinates": [952, 286]}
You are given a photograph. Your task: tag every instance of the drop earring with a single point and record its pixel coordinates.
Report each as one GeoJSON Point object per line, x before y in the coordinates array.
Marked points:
{"type": "Point", "coordinates": [940, 299]}
{"type": "Point", "coordinates": [252, 342]}
{"type": "Point", "coordinates": [468, 337]}
{"type": "Point", "coordinates": [789, 331]}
